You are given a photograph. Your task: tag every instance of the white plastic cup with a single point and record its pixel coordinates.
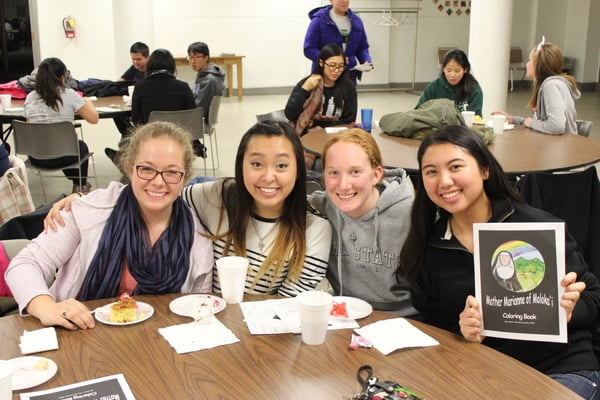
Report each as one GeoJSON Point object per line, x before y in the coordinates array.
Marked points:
{"type": "Point", "coordinates": [498, 121]}
{"type": "Point", "coordinates": [6, 377]}
{"type": "Point", "coordinates": [314, 307]}
{"type": "Point", "coordinates": [130, 90]}
{"type": "Point", "coordinates": [468, 116]}
{"type": "Point", "coordinates": [232, 272]}
{"type": "Point", "coordinates": [6, 100]}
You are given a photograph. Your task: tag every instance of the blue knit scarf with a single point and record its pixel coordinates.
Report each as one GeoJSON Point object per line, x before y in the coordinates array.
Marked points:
{"type": "Point", "coordinates": [162, 268]}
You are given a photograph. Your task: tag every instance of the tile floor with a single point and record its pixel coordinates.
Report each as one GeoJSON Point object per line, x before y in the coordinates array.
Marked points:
{"type": "Point", "coordinates": [235, 118]}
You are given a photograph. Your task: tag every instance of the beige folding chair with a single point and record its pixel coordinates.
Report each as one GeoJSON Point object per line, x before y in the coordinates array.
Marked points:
{"type": "Point", "coordinates": [516, 64]}
{"type": "Point", "coordinates": [441, 53]}
{"type": "Point", "coordinates": [211, 132]}
{"type": "Point", "coordinates": [278, 115]}
{"type": "Point", "coordinates": [47, 141]}
{"type": "Point", "coordinates": [191, 120]}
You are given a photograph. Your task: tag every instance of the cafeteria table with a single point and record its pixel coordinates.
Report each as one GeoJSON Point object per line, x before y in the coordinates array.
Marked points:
{"type": "Point", "coordinates": [519, 150]}
{"type": "Point", "coordinates": [108, 107]}
{"type": "Point", "coordinates": [276, 366]}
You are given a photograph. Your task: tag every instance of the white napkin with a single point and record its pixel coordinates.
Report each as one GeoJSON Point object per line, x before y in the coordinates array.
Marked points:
{"type": "Point", "coordinates": [196, 336]}
{"type": "Point", "coordinates": [281, 316]}
{"type": "Point", "coordinates": [392, 334]}
{"type": "Point", "coordinates": [39, 340]}
{"type": "Point", "coordinates": [366, 66]}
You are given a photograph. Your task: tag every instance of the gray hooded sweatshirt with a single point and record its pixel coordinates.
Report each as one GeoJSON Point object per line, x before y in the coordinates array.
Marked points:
{"type": "Point", "coordinates": [365, 251]}
{"type": "Point", "coordinates": [209, 83]}
{"type": "Point", "coordinates": [556, 112]}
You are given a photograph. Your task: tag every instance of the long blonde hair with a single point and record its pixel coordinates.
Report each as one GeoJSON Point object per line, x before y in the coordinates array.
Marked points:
{"type": "Point", "coordinates": [549, 62]}
{"type": "Point", "coordinates": [290, 242]}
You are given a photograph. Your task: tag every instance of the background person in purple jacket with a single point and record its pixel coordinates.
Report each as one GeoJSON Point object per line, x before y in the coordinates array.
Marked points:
{"type": "Point", "coordinates": [337, 24]}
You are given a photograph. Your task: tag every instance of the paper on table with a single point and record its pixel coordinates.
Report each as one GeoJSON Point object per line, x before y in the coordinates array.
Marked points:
{"type": "Point", "coordinates": [281, 316]}
{"type": "Point", "coordinates": [39, 340]}
{"type": "Point", "coordinates": [392, 334]}
{"type": "Point", "coordinates": [107, 109]}
{"type": "Point", "coordinates": [196, 336]}
{"type": "Point", "coordinates": [334, 129]}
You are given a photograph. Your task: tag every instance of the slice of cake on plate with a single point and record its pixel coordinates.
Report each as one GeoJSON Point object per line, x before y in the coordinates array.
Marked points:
{"type": "Point", "coordinates": [123, 310]}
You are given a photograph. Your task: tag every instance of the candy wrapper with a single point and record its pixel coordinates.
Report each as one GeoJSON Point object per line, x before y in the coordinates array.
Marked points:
{"type": "Point", "coordinates": [359, 341]}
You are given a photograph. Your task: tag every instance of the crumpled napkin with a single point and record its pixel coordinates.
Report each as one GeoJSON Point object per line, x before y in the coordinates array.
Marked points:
{"type": "Point", "coordinates": [39, 340]}
{"type": "Point", "coordinates": [392, 334]}
{"type": "Point", "coordinates": [200, 335]}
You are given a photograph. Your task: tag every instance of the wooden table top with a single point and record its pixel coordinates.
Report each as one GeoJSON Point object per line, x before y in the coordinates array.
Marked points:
{"type": "Point", "coordinates": [519, 150]}
{"type": "Point", "coordinates": [275, 366]}
{"type": "Point", "coordinates": [116, 102]}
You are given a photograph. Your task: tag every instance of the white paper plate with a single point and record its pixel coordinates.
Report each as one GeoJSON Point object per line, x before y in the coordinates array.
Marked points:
{"type": "Point", "coordinates": [189, 306]}
{"type": "Point", "coordinates": [25, 376]}
{"type": "Point", "coordinates": [356, 308]}
{"type": "Point", "coordinates": [143, 312]}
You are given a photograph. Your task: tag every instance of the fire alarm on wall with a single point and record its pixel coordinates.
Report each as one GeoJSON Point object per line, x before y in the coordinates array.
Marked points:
{"type": "Point", "coordinates": [69, 27]}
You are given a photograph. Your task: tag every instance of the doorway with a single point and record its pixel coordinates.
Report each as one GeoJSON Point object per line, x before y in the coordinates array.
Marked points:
{"type": "Point", "coordinates": [16, 55]}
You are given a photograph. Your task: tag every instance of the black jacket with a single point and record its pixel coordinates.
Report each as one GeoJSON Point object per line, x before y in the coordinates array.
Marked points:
{"type": "Point", "coordinates": [160, 92]}
{"type": "Point", "coordinates": [451, 279]}
{"type": "Point", "coordinates": [295, 104]}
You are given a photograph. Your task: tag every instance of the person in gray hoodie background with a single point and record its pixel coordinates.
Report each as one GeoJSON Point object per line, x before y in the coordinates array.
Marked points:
{"type": "Point", "coordinates": [554, 93]}
{"type": "Point", "coordinates": [210, 82]}
{"type": "Point", "coordinates": [369, 211]}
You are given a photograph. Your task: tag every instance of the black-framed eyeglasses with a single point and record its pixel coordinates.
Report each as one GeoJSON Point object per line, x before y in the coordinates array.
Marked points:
{"type": "Point", "coordinates": [195, 57]}
{"type": "Point", "coordinates": [335, 67]}
{"type": "Point", "coordinates": [148, 173]}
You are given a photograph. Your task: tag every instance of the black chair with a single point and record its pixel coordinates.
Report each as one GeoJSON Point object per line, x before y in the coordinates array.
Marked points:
{"type": "Point", "coordinates": [575, 198]}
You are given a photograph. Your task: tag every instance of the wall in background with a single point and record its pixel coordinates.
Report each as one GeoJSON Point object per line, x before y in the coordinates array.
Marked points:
{"type": "Point", "coordinates": [270, 34]}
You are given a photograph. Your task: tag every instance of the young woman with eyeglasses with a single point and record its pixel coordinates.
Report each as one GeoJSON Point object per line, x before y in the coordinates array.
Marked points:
{"type": "Point", "coordinates": [139, 238]}
{"type": "Point", "coordinates": [338, 101]}
{"type": "Point", "coordinates": [325, 98]}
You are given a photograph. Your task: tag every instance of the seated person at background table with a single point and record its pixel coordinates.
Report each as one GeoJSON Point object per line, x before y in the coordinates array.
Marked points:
{"type": "Point", "coordinates": [456, 83]}
{"type": "Point", "coordinates": [140, 54]}
{"type": "Point", "coordinates": [139, 239]}
{"type": "Point", "coordinates": [337, 24]}
{"type": "Point", "coordinates": [139, 58]}
{"type": "Point", "coordinates": [369, 211]}
{"type": "Point", "coordinates": [461, 183]}
{"type": "Point", "coordinates": [554, 93]}
{"type": "Point", "coordinates": [51, 101]}
{"type": "Point", "coordinates": [160, 91]}
{"type": "Point", "coordinates": [324, 98]}
{"type": "Point", "coordinates": [261, 214]}
{"type": "Point", "coordinates": [210, 82]}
